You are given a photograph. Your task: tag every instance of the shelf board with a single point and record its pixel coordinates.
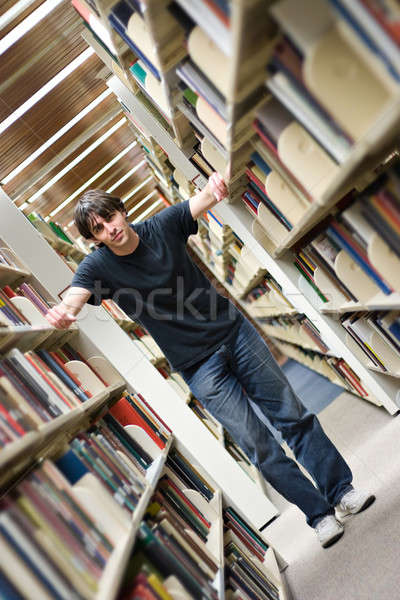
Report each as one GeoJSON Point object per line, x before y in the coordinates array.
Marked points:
{"type": "Point", "coordinates": [385, 373]}
{"type": "Point", "coordinates": [10, 274]}
{"type": "Point", "coordinates": [24, 337]}
{"type": "Point", "coordinates": [112, 576]}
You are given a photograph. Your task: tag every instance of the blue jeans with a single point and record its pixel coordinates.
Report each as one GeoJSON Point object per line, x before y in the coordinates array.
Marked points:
{"type": "Point", "coordinates": [243, 369]}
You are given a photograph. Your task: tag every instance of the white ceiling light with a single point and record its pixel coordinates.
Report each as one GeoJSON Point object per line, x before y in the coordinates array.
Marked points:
{"type": "Point", "coordinates": [77, 160]}
{"type": "Point", "coordinates": [139, 204]}
{"type": "Point", "coordinates": [21, 110]}
{"type": "Point", "coordinates": [126, 176]}
{"type": "Point", "coordinates": [148, 211]}
{"type": "Point", "coordinates": [14, 12]}
{"type": "Point", "coordinates": [27, 24]}
{"type": "Point", "coordinates": [137, 188]}
{"type": "Point", "coordinates": [55, 137]}
{"type": "Point", "coordinates": [87, 183]}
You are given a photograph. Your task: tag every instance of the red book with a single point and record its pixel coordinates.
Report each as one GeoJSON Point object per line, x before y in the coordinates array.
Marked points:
{"type": "Point", "coordinates": [251, 175]}
{"type": "Point", "coordinates": [13, 423]}
{"type": "Point", "coordinates": [41, 371]}
{"type": "Point", "coordinates": [384, 201]}
{"type": "Point", "coordinates": [167, 482]}
{"type": "Point", "coordinates": [125, 413]}
{"type": "Point", "coordinates": [156, 416]}
{"type": "Point", "coordinates": [9, 291]}
{"type": "Point", "coordinates": [351, 377]}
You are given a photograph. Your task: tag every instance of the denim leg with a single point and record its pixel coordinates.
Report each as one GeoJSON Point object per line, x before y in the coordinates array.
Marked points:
{"type": "Point", "coordinates": [216, 386]}
{"type": "Point", "coordinates": [267, 386]}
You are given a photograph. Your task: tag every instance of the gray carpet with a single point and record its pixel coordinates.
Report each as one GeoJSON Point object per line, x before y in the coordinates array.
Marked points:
{"type": "Point", "coordinates": [365, 563]}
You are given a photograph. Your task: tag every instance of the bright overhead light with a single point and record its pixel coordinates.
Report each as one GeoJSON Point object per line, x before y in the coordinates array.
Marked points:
{"type": "Point", "coordinates": [147, 211]}
{"type": "Point", "coordinates": [27, 24]}
{"type": "Point", "coordinates": [136, 189]}
{"type": "Point", "coordinates": [87, 183]}
{"type": "Point", "coordinates": [77, 160]}
{"type": "Point", "coordinates": [9, 16]}
{"type": "Point", "coordinates": [50, 85]}
{"type": "Point", "coordinates": [55, 137]}
{"type": "Point", "coordinates": [139, 204]}
{"type": "Point", "coordinates": [126, 176]}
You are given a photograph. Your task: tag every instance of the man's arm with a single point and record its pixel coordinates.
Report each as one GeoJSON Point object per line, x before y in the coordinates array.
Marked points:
{"type": "Point", "coordinates": [64, 314]}
{"type": "Point", "coordinates": [210, 195]}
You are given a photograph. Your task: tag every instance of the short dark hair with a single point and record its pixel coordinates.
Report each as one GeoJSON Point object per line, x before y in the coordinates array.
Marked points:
{"type": "Point", "coordinates": [91, 203]}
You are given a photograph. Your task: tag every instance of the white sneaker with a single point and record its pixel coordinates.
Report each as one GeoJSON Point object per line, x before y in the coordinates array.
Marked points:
{"type": "Point", "coordinates": [328, 531]}
{"type": "Point", "coordinates": [354, 502]}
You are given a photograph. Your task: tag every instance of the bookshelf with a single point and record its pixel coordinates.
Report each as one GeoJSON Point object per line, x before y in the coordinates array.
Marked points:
{"type": "Point", "coordinates": [358, 156]}
{"type": "Point", "coordinates": [41, 451]}
{"type": "Point", "coordinates": [114, 344]}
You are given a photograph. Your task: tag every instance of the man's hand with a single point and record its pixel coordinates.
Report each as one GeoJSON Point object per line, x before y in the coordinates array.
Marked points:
{"type": "Point", "coordinates": [216, 187]}
{"type": "Point", "coordinates": [64, 314]}
{"type": "Point", "coordinates": [59, 317]}
{"type": "Point", "coordinates": [210, 195]}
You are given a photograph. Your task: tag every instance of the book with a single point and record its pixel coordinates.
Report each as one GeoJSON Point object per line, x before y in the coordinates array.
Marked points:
{"type": "Point", "coordinates": [56, 364]}
{"type": "Point", "coordinates": [305, 161]}
{"type": "Point", "coordinates": [371, 33]}
{"type": "Point", "coordinates": [16, 362]}
{"type": "Point", "coordinates": [125, 412]}
{"type": "Point", "coordinates": [167, 563]}
{"type": "Point", "coordinates": [130, 26]}
{"type": "Point", "coordinates": [339, 235]}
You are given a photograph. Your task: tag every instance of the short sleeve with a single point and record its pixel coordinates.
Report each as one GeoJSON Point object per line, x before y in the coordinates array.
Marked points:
{"type": "Point", "coordinates": [86, 277]}
{"type": "Point", "coordinates": [176, 219]}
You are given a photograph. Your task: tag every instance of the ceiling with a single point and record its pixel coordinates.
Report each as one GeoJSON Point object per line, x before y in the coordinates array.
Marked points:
{"type": "Point", "coordinates": [53, 64]}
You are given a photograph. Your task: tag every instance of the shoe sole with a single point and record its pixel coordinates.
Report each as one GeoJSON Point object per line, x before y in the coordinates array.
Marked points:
{"type": "Point", "coordinates": [370, 500]}
{"type": "Point", "coordinates": [333, 540]}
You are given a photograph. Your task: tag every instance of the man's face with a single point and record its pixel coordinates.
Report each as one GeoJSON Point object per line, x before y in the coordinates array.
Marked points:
{"type": "Point", "coordinates": [113, 230]}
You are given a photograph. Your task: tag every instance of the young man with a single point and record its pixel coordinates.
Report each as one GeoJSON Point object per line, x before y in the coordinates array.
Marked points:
{"type": "Point", "coordinates": [145, 268]}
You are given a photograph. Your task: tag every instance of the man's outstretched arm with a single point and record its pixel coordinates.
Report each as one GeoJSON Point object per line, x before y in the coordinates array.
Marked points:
{"type": "Point", "coordinates": [64, 314]}
{"type": "Point", "coordinates": [210, 195]}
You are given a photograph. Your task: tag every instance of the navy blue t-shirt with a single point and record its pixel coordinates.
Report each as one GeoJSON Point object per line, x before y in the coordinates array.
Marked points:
{"type": "Point", "coordinates": [160, 287]}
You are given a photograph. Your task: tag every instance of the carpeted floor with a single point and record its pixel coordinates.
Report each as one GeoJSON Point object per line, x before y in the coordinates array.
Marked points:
{"type": "Point", "coordinates": [315, 391]}
{"type": "Point", "coordinates": [365, 563]}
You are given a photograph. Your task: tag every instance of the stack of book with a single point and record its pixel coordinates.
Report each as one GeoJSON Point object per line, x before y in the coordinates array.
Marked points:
{"type": "Point", "coordinates": [9, 313]}
{"type": "Point", "coordinates": [248, 272]}
{"type": "Point", "coordinates": [267, 299]}
{"type": "Point", "coordinates": [236, 528]}
{"type": "Point", "coordinates": [275, 205]}
{"type": "Point", "coordinates": [173, 549]}
{"type": "Point", "coordinates": [221, 236]}
{"type": "Point", "coordinates": [133, 410]}
{"type": "Point", "coordinates": [50, 544]}
{"type": "Point", "coordinates": [306, 81]}
{"type": "Point", "coordinates": [335, 369]}
{"type": "Point", "coordinates": [37, 387]}
{"type": "Point", "coordinates": [296, 330]}
{"type": "Point", "coordinates": [146, 344]}
{"type": "Point", "coordinates": [356, 258]}
{"type": "Point", "coordinates": [60, 526]}
{"type": "Point", "coordinates": [71, 251]}
{"type": "Point", "coordinates": [378, 336]}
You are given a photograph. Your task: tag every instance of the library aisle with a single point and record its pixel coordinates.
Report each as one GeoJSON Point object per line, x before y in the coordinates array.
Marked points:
{"type": "Point", "coordinates": [365, 563]}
